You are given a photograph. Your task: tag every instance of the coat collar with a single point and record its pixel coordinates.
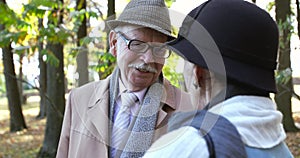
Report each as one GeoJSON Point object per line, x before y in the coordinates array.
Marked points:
{"type": "Point", "coordinates": [169, 95]}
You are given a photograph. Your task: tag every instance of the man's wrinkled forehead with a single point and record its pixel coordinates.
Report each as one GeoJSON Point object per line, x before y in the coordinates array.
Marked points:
{"type": "Point", "coordinates": [127, 28]}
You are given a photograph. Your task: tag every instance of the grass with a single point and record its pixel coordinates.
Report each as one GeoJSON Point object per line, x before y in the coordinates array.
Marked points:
{"type": "Point", "coordinates": [26, 143]}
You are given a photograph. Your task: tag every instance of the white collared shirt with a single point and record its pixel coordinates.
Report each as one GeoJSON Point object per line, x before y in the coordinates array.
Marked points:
{"type": "Point", "coordinates": [133, 109]}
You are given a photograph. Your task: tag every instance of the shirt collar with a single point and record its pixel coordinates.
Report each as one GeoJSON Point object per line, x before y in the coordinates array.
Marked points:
{"type": "Point", "coordinates": [140, 94]}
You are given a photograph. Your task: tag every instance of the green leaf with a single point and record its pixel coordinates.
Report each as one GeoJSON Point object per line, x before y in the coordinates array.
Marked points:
{"type": "Point", "coordinates": [86, 40]}
{"type": "Point", "coordinates": [21, 49]}
{"type": "Point", "coordinates": [92, 14]}
{"type": "Point", "coordinates": [45, 3]}
{"type": "Point", "coordinates": [34, 10]}
{"type": "Point", "coordinates": [170, 72]}
{"type": "Point", "coordinates": [283, 76]}
{"type": "Point", "coordinates": [5, 39]}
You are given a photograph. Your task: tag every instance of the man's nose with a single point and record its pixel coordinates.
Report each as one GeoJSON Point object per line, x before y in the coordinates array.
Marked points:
{"type": "Point", "coordinates": [148, 56]}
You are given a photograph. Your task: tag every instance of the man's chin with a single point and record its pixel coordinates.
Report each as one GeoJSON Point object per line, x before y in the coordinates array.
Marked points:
{"type": "Point", "coordinates": [140, 85]}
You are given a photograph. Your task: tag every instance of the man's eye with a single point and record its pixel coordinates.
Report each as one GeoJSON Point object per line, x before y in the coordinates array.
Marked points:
{"type": "Point", "coordinates": [136, 43]}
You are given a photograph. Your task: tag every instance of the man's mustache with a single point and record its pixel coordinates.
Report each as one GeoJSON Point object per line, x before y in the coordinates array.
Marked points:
{"type": "Point", "coordinates": [143, 67]}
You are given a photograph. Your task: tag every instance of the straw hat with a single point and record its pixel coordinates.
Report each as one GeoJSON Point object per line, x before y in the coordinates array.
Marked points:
{"type": "Point", "coordinates": [146, 13]}
{"type": "Point", "coordinates": [246, 37]}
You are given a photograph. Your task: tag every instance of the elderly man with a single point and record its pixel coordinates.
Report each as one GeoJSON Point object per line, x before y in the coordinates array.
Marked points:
{"type": "Point", "coordinates": [122, 115]}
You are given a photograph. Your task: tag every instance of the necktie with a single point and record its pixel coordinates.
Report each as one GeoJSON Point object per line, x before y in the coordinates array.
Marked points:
{"type": "Point", "coordinates": [122, 121]}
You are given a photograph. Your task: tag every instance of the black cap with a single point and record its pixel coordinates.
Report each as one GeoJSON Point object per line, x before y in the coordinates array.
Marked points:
{"type": "Point", "coordinates": [231, 36]}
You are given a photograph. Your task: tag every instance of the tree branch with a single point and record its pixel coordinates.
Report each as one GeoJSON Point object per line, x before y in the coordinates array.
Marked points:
{"type": "Point", "coordinates": [97, 8]}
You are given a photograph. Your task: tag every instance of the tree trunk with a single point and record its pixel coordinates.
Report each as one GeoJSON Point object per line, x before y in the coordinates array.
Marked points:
{"type": "Point", "coordinates": [284, 94]}
{"type": "Point", "coordinates": [42, 79]}
{"type": "Point", "coordinates": [298, 17]}
{"type": "Point", "coordinates": [111, 14]}
{"type": "Point", "coordinates": [17, 121]}
{"type": "Point", "coordinates": [56, 104]}
{"type": "Point", "coordinates": [56, 99]}
{"type": "Point", "coordinates": [20, 82]}
{"type": "Point", "coordinates": [82, 57]}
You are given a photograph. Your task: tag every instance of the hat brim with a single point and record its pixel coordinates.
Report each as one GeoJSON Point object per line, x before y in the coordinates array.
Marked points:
{"type": "Point", "coordinates": [210, 59]}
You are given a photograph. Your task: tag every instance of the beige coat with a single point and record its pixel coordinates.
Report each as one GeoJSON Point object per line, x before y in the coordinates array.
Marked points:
{"type": "Point", "coordinates": [85, 128]}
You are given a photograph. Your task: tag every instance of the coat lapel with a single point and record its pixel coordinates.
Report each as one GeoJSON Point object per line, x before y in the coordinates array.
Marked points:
{"type": "Point", "coordinates": [168, 99]}
{"type": "Point", "coordinates": [98, 110]}
{"type": "Point", "coordinates": [161, 116]}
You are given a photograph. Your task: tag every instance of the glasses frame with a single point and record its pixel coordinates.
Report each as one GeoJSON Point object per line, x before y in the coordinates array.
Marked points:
{"type": "Point", "coordinates": [154, 53]}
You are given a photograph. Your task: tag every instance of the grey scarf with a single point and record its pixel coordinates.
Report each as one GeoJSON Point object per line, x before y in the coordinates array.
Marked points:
{"type": "Point", "coordinates": [143, 126]}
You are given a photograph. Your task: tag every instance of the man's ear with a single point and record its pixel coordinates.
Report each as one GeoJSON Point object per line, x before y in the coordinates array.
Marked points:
{"type": "Point", "coordinates": [200, 74]}
{"type": "Point", "coordinates": [113, 43]}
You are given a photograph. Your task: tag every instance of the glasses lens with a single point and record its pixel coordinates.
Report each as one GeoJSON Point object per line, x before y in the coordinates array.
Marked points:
{"type": "Point", "coordinates": [158, 50]}
{"type": "Point", "coordinates": [138, 46]}
{"type": "Point", "coordinates": [161, 52]}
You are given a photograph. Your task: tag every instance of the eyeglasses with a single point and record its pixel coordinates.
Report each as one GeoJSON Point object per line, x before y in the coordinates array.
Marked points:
{"type": "Point", "coordinates": [140, 47]}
